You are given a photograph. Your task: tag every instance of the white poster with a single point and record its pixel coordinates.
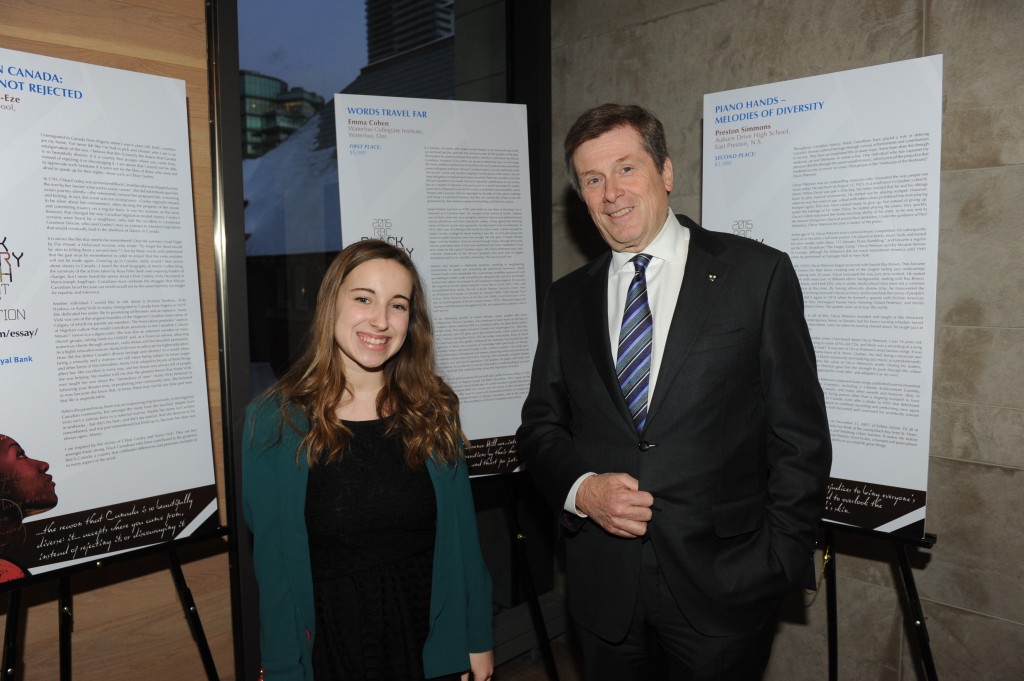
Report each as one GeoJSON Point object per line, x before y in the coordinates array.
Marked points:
{"type": "Point", "coordinates": [104, 424]}
{"type": "Point", "coordinates": [842, 172]}
{"type": "Point", "coordinates": [449, 182]}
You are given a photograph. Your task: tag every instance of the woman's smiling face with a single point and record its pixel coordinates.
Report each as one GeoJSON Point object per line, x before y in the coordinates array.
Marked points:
{"type": "Point", "coordinates": [371, 314]}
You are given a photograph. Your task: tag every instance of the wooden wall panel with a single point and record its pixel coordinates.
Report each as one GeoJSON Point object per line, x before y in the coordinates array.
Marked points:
{"type": "Point", "coordinates": [173, 32]}
{"type": "Point", "coordinates": [128, 622]}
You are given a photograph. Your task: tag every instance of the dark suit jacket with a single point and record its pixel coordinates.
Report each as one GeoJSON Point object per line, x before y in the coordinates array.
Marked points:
{"type": "Point", "coordinates": [736, 450]}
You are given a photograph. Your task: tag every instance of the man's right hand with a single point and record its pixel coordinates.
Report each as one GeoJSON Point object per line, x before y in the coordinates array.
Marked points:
{"type": "Point", "coordinates": [614, 501]}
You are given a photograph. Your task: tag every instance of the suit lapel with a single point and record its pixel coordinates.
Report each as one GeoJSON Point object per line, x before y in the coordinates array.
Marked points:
{"type": "Point", "coordinates": [703, 277]}
{"type": "Point", "coordinates": [595, 316]}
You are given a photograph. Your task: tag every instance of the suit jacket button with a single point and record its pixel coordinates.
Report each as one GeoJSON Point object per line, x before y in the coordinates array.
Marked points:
{"type": "Point", "coordinates": [644, 445]}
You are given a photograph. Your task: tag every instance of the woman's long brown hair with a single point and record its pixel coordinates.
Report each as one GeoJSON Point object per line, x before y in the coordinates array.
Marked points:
{"type": "Point", "coordinates": [416, 403]}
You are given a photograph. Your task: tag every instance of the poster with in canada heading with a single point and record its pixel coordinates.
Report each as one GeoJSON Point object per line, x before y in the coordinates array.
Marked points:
{"type": "Point", "coordinates": [105, 443]}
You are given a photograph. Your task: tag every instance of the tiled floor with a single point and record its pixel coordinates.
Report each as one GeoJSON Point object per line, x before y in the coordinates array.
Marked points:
{"type": "Point", "coordinates": [530, 667]}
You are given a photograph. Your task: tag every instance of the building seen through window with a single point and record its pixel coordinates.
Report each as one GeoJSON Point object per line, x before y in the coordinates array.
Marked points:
{"type": "Point", "coordinates": [271, 111]}
{"type": "Point", "coordinates": [396, 26]}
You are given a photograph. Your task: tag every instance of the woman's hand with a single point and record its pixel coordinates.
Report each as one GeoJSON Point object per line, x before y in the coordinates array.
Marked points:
{"type": "Point", "coordinates": [481, 667]}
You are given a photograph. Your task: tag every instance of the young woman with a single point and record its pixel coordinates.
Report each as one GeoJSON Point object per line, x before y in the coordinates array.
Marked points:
{"type": "Point", "coordinates": [365, 541]}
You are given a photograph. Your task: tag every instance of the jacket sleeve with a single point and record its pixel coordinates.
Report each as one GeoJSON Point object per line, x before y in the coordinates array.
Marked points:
{"type": "Point", "coordinates": [544, 439]}
{"type": "Point", "coordinates": [479, 602]}
{"type": "Point", "coordinates": [267, 471]}
{"type": "Point", "coordinates": [460, 598]}
{"type": "Point", "coordinates": [799, 448]}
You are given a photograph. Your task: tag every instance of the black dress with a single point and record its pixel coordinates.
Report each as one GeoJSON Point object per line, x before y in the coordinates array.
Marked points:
{"type": "Point", "coordinates": [371, 523]}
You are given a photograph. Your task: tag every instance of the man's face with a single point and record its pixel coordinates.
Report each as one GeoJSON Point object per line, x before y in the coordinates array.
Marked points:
{"type": "Point", "coordinates": [626, 194]}
{"type": "Point", "coordinates": [23, 480]}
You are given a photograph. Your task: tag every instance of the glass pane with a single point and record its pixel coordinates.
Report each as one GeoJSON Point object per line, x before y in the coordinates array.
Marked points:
{"type": "Point", "coordinates": [292, 64]}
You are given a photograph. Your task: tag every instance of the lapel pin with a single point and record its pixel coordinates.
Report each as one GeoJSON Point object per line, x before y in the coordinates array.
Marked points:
{"type": "Point", "coordinates": [712, 277]}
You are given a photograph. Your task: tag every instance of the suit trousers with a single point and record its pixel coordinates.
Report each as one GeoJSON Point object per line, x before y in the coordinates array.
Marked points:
{"type": "Point", "coordinates": [662, 645]}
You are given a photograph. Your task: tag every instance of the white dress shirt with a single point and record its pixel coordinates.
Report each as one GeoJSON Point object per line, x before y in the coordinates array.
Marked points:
{"type": "Point", "coordinates": [664, 279]}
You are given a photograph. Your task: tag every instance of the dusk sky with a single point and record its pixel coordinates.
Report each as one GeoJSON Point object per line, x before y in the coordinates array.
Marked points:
{"type": "Point", "coordinates": [317, 44]}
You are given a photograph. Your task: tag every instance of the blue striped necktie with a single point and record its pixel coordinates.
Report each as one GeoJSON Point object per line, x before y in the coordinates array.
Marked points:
{"type": "Point", "coordinates": [633, 366]}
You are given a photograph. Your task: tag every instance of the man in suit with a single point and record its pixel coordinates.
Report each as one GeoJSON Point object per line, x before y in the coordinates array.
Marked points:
{"type": "Point", "coordinates": [675, 415]}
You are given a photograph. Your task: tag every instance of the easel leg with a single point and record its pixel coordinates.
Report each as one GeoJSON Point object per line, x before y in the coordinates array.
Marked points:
{"type": "Point", "coordinates": [192, 615]}
{"type": "Point", "coordinates": [10, 661]}
{"type": "Point", "coordinates": [66, 624]}
{"type": "Point", "coordinates": [526, 579]}
{"type": "Point", "coordinates": [910, 588]}
{"type": "Point", "coordinates": [831, 607]}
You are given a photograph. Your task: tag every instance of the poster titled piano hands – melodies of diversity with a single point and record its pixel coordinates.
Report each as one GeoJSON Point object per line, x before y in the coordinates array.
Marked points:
{"type": "Point", "coordinates": [842, 172]}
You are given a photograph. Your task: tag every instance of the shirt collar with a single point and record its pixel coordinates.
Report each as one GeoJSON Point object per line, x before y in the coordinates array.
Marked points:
{"type": "Point", "coordinates": [669, 245]}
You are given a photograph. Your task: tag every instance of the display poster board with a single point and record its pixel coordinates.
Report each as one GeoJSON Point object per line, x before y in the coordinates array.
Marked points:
{"type": "Point", "coordinates": [842, 172]}
{"type": "Point", "coordinates": [449, 182]}
{"type": "Point", "coordinates": [106, 444]}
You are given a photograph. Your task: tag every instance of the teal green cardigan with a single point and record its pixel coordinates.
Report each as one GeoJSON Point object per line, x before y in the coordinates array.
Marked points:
{"type": "Point", "coordinates": [273, 501]}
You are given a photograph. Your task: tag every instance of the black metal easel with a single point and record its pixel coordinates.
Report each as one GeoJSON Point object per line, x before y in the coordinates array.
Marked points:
{"type": "Point", "coordinates": [909, 591]}
{"type": "Point", "coordinates": [510, 507]}
{"type": "Point", "coordinates": [65, 613]}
